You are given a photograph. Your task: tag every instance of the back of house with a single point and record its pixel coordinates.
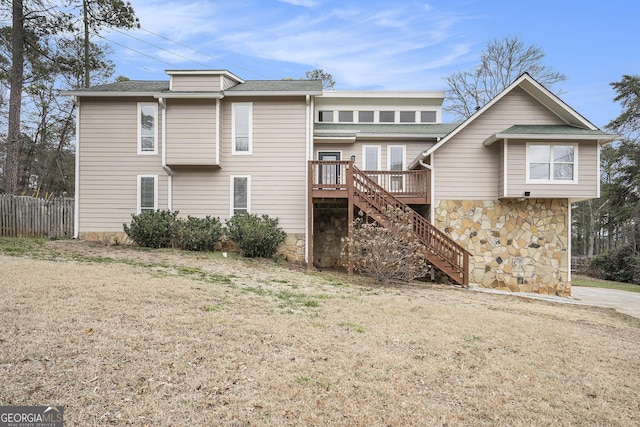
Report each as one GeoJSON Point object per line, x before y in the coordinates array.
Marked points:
{"type": "Point", "coordinates": [208, 143]}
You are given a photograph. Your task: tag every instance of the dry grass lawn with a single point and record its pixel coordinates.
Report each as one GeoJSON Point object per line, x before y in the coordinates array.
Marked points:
{"type": "Point", "coordinates": [124, 336]}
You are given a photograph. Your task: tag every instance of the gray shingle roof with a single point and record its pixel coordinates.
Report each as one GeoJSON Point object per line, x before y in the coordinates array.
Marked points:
{"type": "Point", "coordinates": [550, 130]}
{"type": "Point", "coordinates": [277, 86]}
{"type": "Point", "coordinates": [132, 86]}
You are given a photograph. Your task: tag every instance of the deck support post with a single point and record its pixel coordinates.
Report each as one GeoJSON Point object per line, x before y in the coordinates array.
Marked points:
{"type": "Point", "coordinates": [350, 192]}
{"type": "Point", "coordinates": [310, 218]}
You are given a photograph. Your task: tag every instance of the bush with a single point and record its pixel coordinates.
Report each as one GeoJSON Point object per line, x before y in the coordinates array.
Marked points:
{"type": "Point", "coordinates": [620, 264]}
{"type": "Point", "coordinates": [155, 229]}
{"type": "Point", "coordinates": [199, 234]}
{"type": "Point", "coordinates": [387, 253]}
{"type": "Point", "coordinates": [257, 236]}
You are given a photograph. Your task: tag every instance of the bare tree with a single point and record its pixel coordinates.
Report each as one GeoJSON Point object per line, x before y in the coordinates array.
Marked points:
{"type": "Point", "coordinates": [502, 61]}
{"type": "Point", "coordinates": [318, 74]}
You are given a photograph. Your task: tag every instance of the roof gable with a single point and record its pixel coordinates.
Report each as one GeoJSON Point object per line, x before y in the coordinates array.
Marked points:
{"type": "Point", "coordinates": [541, 94]}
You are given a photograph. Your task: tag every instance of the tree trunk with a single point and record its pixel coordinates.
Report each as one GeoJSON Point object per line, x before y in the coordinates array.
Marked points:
{"type": "Point", "coordinates": [12, 161]}
{"type": "Point", "coordinates": [85, 18]}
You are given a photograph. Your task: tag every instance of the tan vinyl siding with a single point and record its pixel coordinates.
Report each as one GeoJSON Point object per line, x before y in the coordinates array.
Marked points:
{"type": "Point", "coordinates": [191, 132]}
{"type": "Point", "coordinates": [277, 167]}
{"type": "Point", "coordinates": [195, 82]}
{"type": "Point", "coordinates": [110, 165]}
{"type": "Point", "coordinates": [227, 83]}
{"type": "Point", "coordinates": [585, 188]}
{"type": "Point", "coordinates": [465, 168]}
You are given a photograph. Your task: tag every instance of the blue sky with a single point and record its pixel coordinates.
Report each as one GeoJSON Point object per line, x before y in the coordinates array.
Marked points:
{"type": "Point", "coordinates": [387, 45]}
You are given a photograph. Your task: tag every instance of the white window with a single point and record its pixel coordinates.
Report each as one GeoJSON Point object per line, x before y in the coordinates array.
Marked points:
{"type": "Point", "coordinates": [325, 116]}
{"type": "Point", "coordinates": [240, 194]}
{"type": "Point", "coordinates": [396, 159]}
{"type": "Point", "coordinates": [241, 128]}
{"type": "Point", "coordinates": [371, 157]}
{"type": "Point", "coordinates": [427, 116]}
{"type": "Point", "coordinates": [345, 116]}
{"type": "Point", "coordinates": [555, 163]}
{"type": "Point", "coordinates": [365, 116]}
{"type": "Point", "coordinates": [147, 193]}
{"type": "Point", "coordinates": [407, 116]}
{"type": "Point", "coordinates": [387, 116]}
{"type": "Point", "coordinates": [147, 128]}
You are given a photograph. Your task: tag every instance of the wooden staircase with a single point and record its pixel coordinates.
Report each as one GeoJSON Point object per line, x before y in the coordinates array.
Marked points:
{"type": "Point", "coordinates": [440, 250]}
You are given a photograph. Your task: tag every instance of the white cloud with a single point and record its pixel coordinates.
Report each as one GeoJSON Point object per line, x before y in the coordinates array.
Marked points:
{"type": "Point", "coordinates": [378, 45]}
{"type": "Point", "coordinates": [303, 3]}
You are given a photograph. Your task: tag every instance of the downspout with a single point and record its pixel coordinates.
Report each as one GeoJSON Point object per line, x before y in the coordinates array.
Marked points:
{"type": "Point", "coordinates": [76, 201]}
{"type": "Point", "coordinates": [166, 168]}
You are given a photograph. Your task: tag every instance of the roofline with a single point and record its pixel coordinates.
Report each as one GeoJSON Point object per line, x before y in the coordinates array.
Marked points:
{"type": "Point", "coordinates": [517, 82]}
{"type": "Point", "coordinates": [206, 72]}
{"type": "Point", "coordinates": [183, 95]}
{"type": "Point", "coordinates": [272, 93]}
{"type": "Point", "coordinates": [384, 94]}
{"type": "Point", "coordinates": [106, 94]}
{"type": "Point", "coordinates": [556, 136]}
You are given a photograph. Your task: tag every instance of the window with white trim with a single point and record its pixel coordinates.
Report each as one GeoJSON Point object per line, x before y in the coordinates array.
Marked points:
{"type": "Point", "coordinates": [371, 157]}
{"type": "Point", "coordinates": [147, 128]}
{"type": "Point", "coordinates": [241, 127]}
{"type": "Point", "coordinates": [240, 194]}
{"type": "Point", "coordinates": [552, 162]}
{"type": "Point", "coordinates": [387, 116]}
{"type": "Point", "coordinates": [427, 116]}
{"type": "Point", "coordinates": [325, 116]}
{"type": "Point", "coordinates": [365, 116]}
{"type": "Point", "coordinates": [407, 116]}
{"type": "Point", "coordinates": [345, 116]}
{"type": "Point", "coordinates": [147, 193]}
{"type": "Point", "coordinates": [396, 160]}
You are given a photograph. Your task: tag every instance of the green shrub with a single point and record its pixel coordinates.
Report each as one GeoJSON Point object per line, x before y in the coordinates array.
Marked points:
{"type": "Point", "coordinates": [155, 229]}
{"type": "Point", "coordinates": [257, 236]}
{"type": "Point", "coordinates": [199, 234]}
{"type": "Point", "coordinates": [620, 264]}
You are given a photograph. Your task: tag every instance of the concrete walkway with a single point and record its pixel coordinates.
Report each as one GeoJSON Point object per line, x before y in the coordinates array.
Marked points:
{"type": "Point", "coordinates": [622, 301]}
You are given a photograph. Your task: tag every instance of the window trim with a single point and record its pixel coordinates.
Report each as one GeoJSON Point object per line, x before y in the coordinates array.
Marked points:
{"type": "Point", "coordinates": [404, 155]}
{"type": "Point", "coordinates": [551, 180]}
{"type": "Point", "coordinates": [233, 129]}
{"type": "Point", "coordinates": [364, 156]}
{"type": "Point", "coordinates": [232, 199]}
{"type": "Point", "coordinates": [155, 128]}
{"type": "Point", "coordinates": [139, 192]}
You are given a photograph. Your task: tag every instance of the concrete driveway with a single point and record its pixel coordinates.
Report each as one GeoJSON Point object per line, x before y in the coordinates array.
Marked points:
{"type": "Point", "coordinates": [622, 301]}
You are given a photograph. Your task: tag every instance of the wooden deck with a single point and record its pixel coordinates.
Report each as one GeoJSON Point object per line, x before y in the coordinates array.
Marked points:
{"type": "Point", "coordinates": [328, 180]}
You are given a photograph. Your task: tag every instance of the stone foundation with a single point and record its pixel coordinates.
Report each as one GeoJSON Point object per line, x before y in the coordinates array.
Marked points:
{"type": "Point", "coordinates": [293, 247]}
{"type": "Point", "coordinates": [330, 227]}
{"type": "Point", "coordinates": [515, 245]}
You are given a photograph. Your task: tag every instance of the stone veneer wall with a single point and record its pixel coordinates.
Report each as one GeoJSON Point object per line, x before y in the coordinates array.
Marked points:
{"type": "Point", "coordinates": [515, 245]}
{"type": "Point", "coordinates": [293, 247]}
{"type": "Point", "coordinates": [330, 227]}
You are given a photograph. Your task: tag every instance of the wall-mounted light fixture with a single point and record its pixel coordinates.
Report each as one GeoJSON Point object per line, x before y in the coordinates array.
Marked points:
{"type": "Point", "coordinates": [353, 158]}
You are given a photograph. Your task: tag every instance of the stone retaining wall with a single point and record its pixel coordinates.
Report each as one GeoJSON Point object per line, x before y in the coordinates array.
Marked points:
{"type": "Point", "coordinates": [515, 245]}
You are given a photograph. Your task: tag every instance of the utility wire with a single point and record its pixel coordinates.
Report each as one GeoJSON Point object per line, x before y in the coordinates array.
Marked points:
{"type": "Point", "coordinates": [205, 54]}
{"type": "Point", "coordinates": [158, 47]}
{"type": "Point", "coordinates": [137, 51]}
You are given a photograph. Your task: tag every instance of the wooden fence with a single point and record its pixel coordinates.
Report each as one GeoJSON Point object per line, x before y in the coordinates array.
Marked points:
{"type": "Point", "coordinates": [24, 216]}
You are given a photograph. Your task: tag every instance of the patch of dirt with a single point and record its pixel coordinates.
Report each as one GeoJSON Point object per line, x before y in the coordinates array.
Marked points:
{"type": "Point", "coordinates": [126, 336]}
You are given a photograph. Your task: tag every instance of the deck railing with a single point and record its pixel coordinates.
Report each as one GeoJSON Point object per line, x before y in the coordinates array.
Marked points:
{"type": "Point", "coordinates": [332, 175]}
